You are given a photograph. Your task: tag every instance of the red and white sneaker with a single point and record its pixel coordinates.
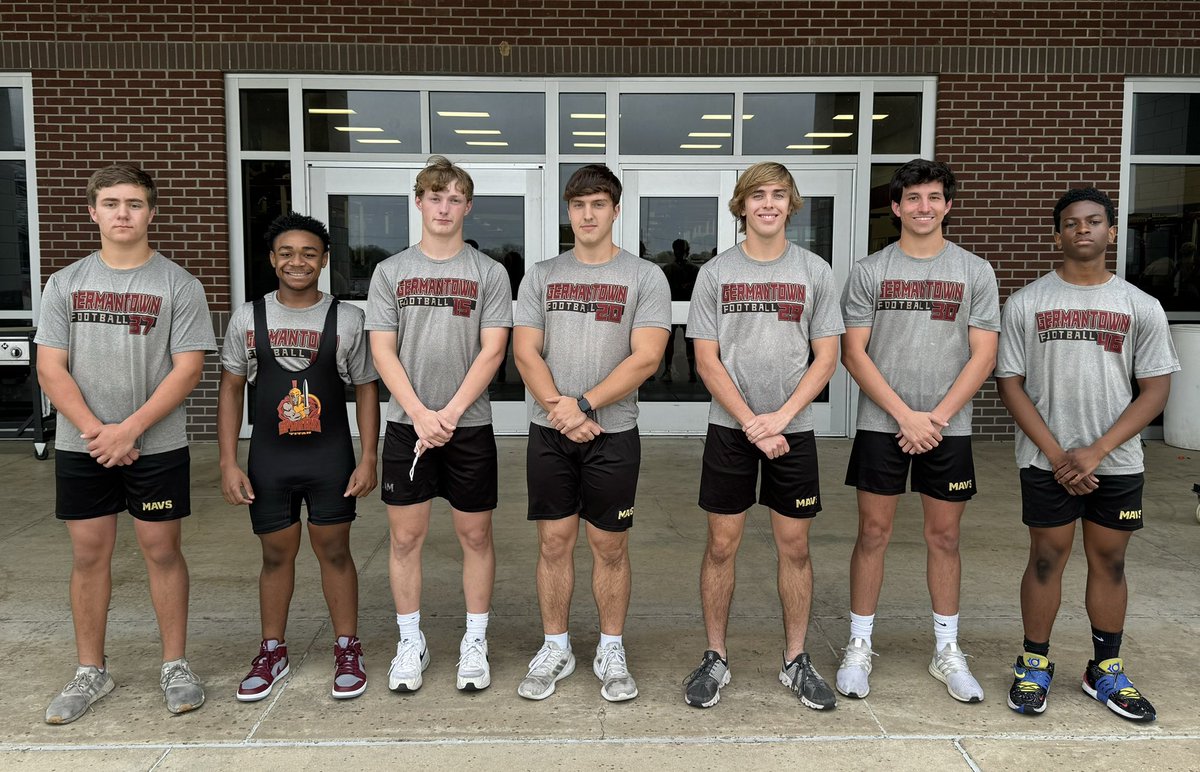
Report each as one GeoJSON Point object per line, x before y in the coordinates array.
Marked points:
{"type": "Point", "coordinates": [267, 668]}
{"type": "Point", "coordinates": [349, 674]}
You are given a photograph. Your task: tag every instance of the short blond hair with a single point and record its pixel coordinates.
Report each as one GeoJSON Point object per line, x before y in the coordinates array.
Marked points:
{"type": "Point", "coordinates": [439, 173]}
{"type": "Point", "coordinates": [764, 173]}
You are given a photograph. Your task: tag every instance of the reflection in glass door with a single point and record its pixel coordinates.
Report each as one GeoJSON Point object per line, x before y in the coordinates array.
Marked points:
{"type": "Point", "coordinates": [680, 219]}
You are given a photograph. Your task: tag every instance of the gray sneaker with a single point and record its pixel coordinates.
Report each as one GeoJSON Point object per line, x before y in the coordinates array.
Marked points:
{"type": "Point", "coordinates": [802, 678]}
{"type": "Point", "coordinates": [89, 684]}
{"type": "Point", "coordinates": [181, 688]}
{"type": "Point", "coordinates": [609, 666]}
{"type": "Point", "coordinates": [550, 665]}
{"type": "Point", "coordinates": [702, 688]}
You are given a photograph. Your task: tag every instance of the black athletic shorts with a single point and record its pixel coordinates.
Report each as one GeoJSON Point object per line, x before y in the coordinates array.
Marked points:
{"type": "Point", "coordinates": [878, 465]}
{"type": "Point", "coordinates": [276, 507]}
{"type": "Point", "coordinates": [1116, 504]}
{"type": "Point", "coordinates": [790, 486]}
{"type": "Point", "coordinates": [463, 471]}
{"type": "Point", "coordinates": [596, 480]}
{"type": "Point", "coordinates": [157, 487]}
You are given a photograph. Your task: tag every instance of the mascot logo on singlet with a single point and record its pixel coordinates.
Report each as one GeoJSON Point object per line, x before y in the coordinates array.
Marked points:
{"type": "Point", "coordinates": [299, 411]}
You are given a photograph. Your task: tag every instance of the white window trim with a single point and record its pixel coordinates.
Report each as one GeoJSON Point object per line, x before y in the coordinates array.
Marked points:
{"type": "Point", "coordinates": [24, 81]}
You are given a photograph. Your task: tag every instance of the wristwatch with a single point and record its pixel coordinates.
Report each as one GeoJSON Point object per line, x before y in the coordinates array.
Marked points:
{"type": "Point", "coordinates": [584, 405]}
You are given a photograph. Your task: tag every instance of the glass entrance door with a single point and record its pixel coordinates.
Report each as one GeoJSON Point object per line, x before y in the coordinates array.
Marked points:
{"type": "Point", "coordinates": [371, 215]}
{"type": "Point", "coordinates": [680, 219]}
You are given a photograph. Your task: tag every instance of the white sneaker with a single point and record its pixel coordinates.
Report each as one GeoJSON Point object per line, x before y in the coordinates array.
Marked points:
{"type": "Point", "coordinates": [949, 666]}
{"type": "Point", "coordinates": [610, 667]}
{"type": "Point", "coordinates": [474, 673]}
{"type": "Point", "coordinates": [549, 666]}
{"type": "Point", "coordinates": [856, 666]}
{"type": "Point", "coordinates": [412, 657]}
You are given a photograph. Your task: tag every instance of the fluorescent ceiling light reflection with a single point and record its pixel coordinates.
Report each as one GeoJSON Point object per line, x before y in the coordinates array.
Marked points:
{"type": "Point", "coordinates": [808, 147]}
{"type": "Point", "coordinates": [331, 111]}
{"type": "Point", "coordinates": [590, 144]}
{"type": "Point", "coordinates": [459, 114]}
{"type": "Point", "coordinates": [358, 128]}
{"type": "Point", "coordinates": [589, 116]}
{"type": "Point", "coordinates": [879, 116]}
{"type": "Point", "coordinates": [476, 131]}
{"type": "Point", "coordinates": [844, 117]}
{"type": "Point", "coordinates": [723, 117]}
{"type": "Point", "coordinates": [829, 134]}
{"type": "Point", "coordinates": [700, 147]}
{"type": "Point", "coordinates": [587, 133]}
{"type": "Point", "coordinates": [379, 141]}
{"type": "Point", "coordinates": [709, 134]}
{"type": "Point", "coordinates": [488, 144]}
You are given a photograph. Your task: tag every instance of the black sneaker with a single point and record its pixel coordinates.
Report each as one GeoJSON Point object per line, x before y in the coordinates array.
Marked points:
{"type": "Point", "coordinates": [1107, 682]}
{"type": "Point", "coordinates": [1032, 674]}
{"type": "Point", "coordinates": [802, 678]}
{"type": "Point", "coordinates": [702, 689]}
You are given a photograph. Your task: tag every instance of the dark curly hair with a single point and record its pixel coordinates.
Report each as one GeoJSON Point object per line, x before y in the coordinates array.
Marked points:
{"type": "Point", "coordinates": [294, 221]}
{"type": "Point", "coordinates": [1074, 196]}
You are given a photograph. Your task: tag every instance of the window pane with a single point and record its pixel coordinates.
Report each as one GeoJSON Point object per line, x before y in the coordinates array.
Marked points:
{"type": "Point", "coordinates": [365, 231]}
{"type": "Point", "coordinates": [264, 115]}
{"type": "Point", "coordinates": [486, 122]}
{"type": "Point", "coordinates": [496, 226]}
{"type": "Point", "coordinates": [1166, 124]}
{"type": "Point", "coordinates": [896, 124]}
{"type": "Point", "coordinates": [566, 239]}
{"type": "Point", "coordinates": [882, 228]}
{"type": "Point", "coordinates": [800, 124]}
{"type": "Point", "coordinates": [12, 119]}
{"type": "Point", "coordinates": [581, 124]}
{"type": "Point", "coordinates": [677, 124]}
{"type": "Point", "coordinates": [812, 227]}
{"type": "Point", "coordinates": [1164, 229]}
{"type": "Point", "coordinates": [362, 121]}
{"type": "Point", "coordinates": [266, 194]}
{"type": "Point", "coordinates": [16, 283]}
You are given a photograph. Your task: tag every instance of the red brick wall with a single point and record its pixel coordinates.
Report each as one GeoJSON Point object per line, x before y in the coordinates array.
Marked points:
{"type": "Point", "coordinates": [172, 124]}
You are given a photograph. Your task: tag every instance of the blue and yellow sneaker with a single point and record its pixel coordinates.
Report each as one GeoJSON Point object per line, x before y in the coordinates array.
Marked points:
{"type": "Point", "coordinates": [1107, 682]}
{"type": "Point", "coordinates": [1031, 683]}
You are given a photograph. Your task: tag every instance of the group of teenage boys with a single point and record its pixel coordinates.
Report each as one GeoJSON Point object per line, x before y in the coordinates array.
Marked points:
{"type": "Point", "coordinates": [123, 334]}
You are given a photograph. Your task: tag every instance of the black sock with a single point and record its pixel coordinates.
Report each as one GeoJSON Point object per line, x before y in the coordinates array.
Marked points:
{"type": "Point", "coordinates": [1106, 645]}
{"type": "Point", "coordinates": [1037, 648]}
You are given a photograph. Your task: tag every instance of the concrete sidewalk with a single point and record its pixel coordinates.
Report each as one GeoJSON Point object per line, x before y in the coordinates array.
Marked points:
{"type": "Point", "coordinates": [908, 722]}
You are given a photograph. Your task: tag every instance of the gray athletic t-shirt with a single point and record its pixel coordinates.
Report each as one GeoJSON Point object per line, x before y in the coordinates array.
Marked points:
{"type": "Point", "coordinates": [437, 308]}
{"type": "Point", "coordinates": [295, 335]}
{"type": "Point", "coordinates": [587, 313]}
{"type": "Point", "coordinates": [1078, 349]}
{"type": "Point", "coordinates": [762, 314]}
{"type": "Point", "coordinates": [120, 328]}
{"type": "Point", "coordinates": [919, 311]}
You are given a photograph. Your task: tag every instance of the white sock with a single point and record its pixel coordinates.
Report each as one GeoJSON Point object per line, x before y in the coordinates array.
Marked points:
{"type": "Point", "coordinates": [606, 640]}
{"type": "Point", "coordinates": [476, 626]}
{"type": "Point", "coordinates": [410, 625]}
{"type": "Point", "coordinates": [945, 630]}
{"type": "Point", "coordinates": [562, 640]}
{"type": "Point", "coordinates": [861, 626]}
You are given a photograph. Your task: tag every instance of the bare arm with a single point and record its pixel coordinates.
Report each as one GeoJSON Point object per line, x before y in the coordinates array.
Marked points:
{"type": "Point", "coordinates": [235, 485]}
{"type": "Point", "coordinates": [979, 366]}
{"type": "Point", "coordinates": [716, 379]}
{"type": "Point", "coordinates": [493, 341]}
{"type": "Point", "coordinates": [55, 379]}
{"type": "Point", "coordinates": [366, 410]}
{"type": "Point", "coordinates": [426, 422]}
{"type": "Point", "coordinates": [647, 345]}
{"type": "Point", "coordinates": [111, 444]}
{"type": "Point", "coordinates": [527, 351]}
{"type": "Point", "coordinates": [922, 431]}
{"type": "Point", "coordinates": [814, 379]}
{"type": "Point", "coordinates": [1025, 413]}
{"type": "Point", "coordinates": [1080, 463]}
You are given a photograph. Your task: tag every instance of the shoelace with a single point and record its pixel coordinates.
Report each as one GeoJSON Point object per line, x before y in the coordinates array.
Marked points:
{"type": "Point", "coordinates": [541, 660]}
{"type": "Point", "coordinates": [471, 657]}
{"type": "Point", "coordinates": [612, 662]}
{"type": "Point", "coordinates": [178, 672]}
{"type": "Point", "coordinates": [408, 654]}
{"type": "Point", "coordinates": [704, 671]}
{"type": "Point", "coordinates": [856, 657]}
{"type": "Point", "coordinates": [804, 673]}
{"type": "Point", "coordinates": [952, 661]}
{"type": "Point", "coordinates": [346, 661]}
{"type": "Point", "coordinates": [82, 681]}
{"type": "Point", "coordinates": [260, 667]}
